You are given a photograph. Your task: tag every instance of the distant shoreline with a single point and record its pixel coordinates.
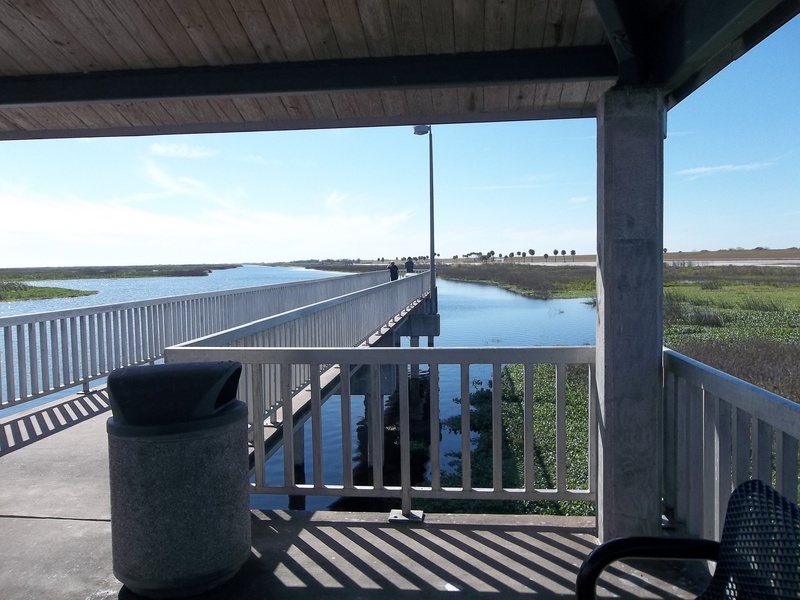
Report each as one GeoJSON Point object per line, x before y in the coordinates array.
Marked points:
{"type": "Point", "coordinates": [110, 272]}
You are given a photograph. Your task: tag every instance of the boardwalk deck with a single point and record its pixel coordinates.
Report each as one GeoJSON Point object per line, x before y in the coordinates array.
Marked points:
{"type": "Point", "coordinates": [55, 516]}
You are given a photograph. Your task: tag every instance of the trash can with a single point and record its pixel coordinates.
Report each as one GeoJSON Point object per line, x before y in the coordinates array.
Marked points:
{"type": "Point", "coordinates": [178, 471]}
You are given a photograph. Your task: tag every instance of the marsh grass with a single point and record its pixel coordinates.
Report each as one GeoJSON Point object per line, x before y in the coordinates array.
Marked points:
{"type": "Point", "coordinates": [536, 281]}
{"type": "Point", "coordinates": [11, 291]}
{"type": "Point", "coordinates": [544, 423]}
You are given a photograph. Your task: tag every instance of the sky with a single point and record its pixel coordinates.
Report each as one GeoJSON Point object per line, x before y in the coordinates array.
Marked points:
{"type": "Point", "coordinates": [731, 179]}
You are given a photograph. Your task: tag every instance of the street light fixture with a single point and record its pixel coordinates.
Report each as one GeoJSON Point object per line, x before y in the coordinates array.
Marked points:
{"type": "Point", "coordinates": [428, 130]}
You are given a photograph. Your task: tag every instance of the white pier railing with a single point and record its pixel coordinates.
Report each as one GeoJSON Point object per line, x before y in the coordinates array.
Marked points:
{"type": "Point", "coordinates": [48, 352]}
{"type": "Point", "coordinates": [719, 432]}
{"type": "Point", "coordinates": [345, 321]}
{"type": "Point", "coordinates": [333, 395]}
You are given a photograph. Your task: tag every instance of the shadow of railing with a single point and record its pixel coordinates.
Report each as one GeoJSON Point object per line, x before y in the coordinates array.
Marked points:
{"type": "Point", "coordinates": [36, 425]}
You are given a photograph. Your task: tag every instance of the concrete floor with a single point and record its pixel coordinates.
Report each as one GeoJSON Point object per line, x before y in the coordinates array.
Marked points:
{"type": "Point", "coordinates": [55, 520]}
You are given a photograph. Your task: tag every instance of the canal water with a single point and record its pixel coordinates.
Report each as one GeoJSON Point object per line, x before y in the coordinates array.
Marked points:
{"type": "Point", "coordinates": [474, 315]}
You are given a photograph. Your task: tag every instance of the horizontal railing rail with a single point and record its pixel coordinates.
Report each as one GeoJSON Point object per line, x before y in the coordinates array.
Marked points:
{"type": "Point", "coordinates": [345, 321]}
{"type": "Point", "coordinates": [719, 432]}
{"type": "Point", "coordinates": [355, 388]}
{"type": "Point", "coordinates": [47, 352]}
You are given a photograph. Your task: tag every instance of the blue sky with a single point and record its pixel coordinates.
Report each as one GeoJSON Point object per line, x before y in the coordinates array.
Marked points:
{"type": "Point", "coordinates": [732, 179]}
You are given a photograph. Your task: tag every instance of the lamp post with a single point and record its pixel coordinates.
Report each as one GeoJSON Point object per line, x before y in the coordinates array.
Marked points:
{"type": "Point", "coordinates": [427, 130]}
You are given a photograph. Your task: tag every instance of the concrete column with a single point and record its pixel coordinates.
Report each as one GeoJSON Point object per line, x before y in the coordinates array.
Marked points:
{"type": "Point", "coordinates": [630, 165]}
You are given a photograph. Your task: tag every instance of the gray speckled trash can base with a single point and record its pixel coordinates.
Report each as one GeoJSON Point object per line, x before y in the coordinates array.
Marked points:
{"type": "Point", "coordinates": [180, 504]}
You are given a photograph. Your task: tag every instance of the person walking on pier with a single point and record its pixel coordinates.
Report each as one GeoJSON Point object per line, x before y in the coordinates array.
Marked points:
{"type": "Point", "coordinates": [409, 266]}
{"type": "Point", "coordinates": [393, 271]}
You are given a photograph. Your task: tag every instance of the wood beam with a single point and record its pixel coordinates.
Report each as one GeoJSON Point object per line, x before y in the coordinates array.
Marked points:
{"type": "Point", "coordinates": [396, 73]}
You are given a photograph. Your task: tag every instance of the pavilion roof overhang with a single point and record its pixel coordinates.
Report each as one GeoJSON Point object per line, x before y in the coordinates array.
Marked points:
{"type": "Point", "coordinates": [77, 69]}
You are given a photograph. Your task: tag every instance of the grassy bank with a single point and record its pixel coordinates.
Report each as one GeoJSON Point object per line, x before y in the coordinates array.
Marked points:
{"type": "Point", "coordinates": [13, 286]}
{"type": "Point", "coordinates": [60, 273]}
{"type": "Point", "coordinates": [22, 291]}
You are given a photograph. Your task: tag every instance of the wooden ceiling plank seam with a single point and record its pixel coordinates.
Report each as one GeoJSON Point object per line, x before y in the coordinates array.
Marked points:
{"type": "Point", "coordinates": [90, 117]}
{"type": "Point", "coordinates": [409, 30]}
{"type": "Point", "coordinates": [322, 107]}
{"type": "Point", "coordinates": [32, 40]}
{"type": "Point", "coordinates": [552, 96]}
{"type": "Point", "coordinates": [348, 28]}
{"type": "Point", "coordinates": [540, 98]}
{"type": "Point", "coordinates": [554, 25]}
{"type": "Point", "coordinates": [7, 124]}
{"type": "Point", "coordinates": [495, 98]}
{"type": "Point", "coordinates": [85, 32]}
{"type": "Point", "coordinates": [49, 118]}
{"type": "Point", "coordinates": [198, 26]}
{"type": "Point", "coordinates": [572, 9]}
{"type": "Point", "coordinates": [468, 25]}
{"type": "Point", "coordinates": [445, 101]}
{"type": "Point", "coordinates": [369, 104]}
{"type": "Point", "coordinates": [21, 58]}
{"type": "Point", "coordinates": [60, 39]}
{"type": "Point", "coordinates": [9, 66]}
{"type": "Point", "coordinates": [114, 32]}
{"type": "Point", "coordinates": [521, 96]}
{"type": "Point", "coordinates": [149, 113]}
{"type": "Point", "coordinates": [226, 110]}
{"type": "Point", "coordinates": [249, 108]}
{"type": "Point", "coordinates": [437, 19]}
{"type": "Point", "coordinates": [23, 118]}
{"type": "Point", "coordinates": [259, 30]}
{"type": "Point", "coordinates": [529, 24]}
{"type": "Point", "coordinates": [573, 94]}
{"type": "Point", "coordinates": [499, 26]}
{"type": "Point", "coordinates": [110, 115]}
{"type": "Point", "coordinates": [420, 101]}
{"type": "Point", "coordinates": [596, 91]}
{"type": "Point", "coordinates": [297, 107]}
{"type": "Point", "coordinates": [589, 30]}
{"type": "Point", "coordinates": [470, 100]}
{"type": "Point", "coordinates": [165, 22]}
{"type": "Point", "coordinates": [66, 117]}
{"type": "Point", "coordinates": [376, 19]}
{"type": "Point", "coordinates": [202, 110]}
{"type": "Point", "coordinates": [345, 105]}
{"type": "Point", "coordinates": [273, 108]}
{"type": "Point", "coordinates": [289, 30]}
{"type": "Point", "coordinates": [316, 23]}
{"type": "Point", "coordinates": [179, 112]}
{"type": "Point", "coordinates": [229, 31]}
{"type": "Point", "coordinates": [394, 103]}
{"type": "Point", "coordinates": [135, 26]}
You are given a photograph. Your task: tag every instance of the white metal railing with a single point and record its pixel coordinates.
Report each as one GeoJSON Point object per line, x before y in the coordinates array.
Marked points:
{"type": "Point", "coordinates": [344, 321]}
{"type": "Point", "coordinates": [47, 352]}
{"type": "Point", "coordinates": [307, 406]}
{"type": "Point", "coordinates": [719, 432]}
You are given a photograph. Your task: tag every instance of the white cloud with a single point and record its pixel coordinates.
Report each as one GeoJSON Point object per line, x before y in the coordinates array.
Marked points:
{"type": "Point", "coordinates": [335, 200]}
{"type": "Point", "coordinates": [174, 150]}
{"type": "Point", "coordinates": [696, 172]}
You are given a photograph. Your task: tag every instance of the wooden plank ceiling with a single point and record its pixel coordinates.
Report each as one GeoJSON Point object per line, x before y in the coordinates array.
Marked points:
{"type": "Point", "coordinates": [75, 68]}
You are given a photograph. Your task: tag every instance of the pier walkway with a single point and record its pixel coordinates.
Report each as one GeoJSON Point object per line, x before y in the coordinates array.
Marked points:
{"type": "Point", "coordinates": [55, 521]}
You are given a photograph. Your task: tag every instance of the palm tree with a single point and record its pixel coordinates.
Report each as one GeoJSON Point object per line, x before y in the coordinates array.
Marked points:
{"type": "Point", "coordinates": [564, 254]}
{"type": "Point", "coordinates": [545, 257]}
{"type": "Point", "coordinates": [531, 251]}
{"type": "Point", "coordinates": [572, 252]}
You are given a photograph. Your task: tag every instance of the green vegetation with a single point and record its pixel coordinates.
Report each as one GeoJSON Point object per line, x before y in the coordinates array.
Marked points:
{"type": "Point", "coordinates": [13, 288]}
{"type": "Point", "coordinates": [55, 273]}
{"type": "Point", "coordinates": [544, 436]}
{"type": "Point", "coordinates": [566, 281]}
{"type": "Point", "coordinates": [23, 291]}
